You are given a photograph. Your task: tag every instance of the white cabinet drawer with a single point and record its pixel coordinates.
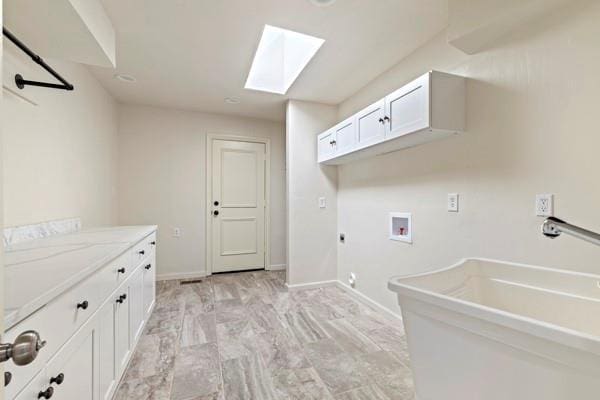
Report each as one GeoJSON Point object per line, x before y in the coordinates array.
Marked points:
{"type": "Point", "coordinates": [144, 249]}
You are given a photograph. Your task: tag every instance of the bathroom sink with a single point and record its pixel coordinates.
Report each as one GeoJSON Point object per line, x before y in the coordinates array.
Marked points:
{"type": "Point", "coordinates": [487, 329]}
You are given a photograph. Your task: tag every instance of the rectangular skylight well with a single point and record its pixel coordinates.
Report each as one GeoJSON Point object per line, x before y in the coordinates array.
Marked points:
{"type": "Point", "coordinates": [280, 58]}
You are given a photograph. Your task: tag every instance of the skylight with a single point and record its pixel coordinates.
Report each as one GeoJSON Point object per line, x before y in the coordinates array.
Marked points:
{"type": "Point", "coordinates": [279, 59]}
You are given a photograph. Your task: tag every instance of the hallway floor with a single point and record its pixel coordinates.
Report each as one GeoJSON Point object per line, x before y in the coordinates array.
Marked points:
{"type": "Point", "coordinates": [245, 336]}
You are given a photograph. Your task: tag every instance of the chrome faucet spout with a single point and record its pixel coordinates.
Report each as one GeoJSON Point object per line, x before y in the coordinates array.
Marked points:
{"type": "Point", "coordinates": [553, 227]}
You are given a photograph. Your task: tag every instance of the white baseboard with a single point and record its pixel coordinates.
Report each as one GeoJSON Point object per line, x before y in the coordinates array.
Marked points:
{"type": "Point", "coordinates": [368, 301]}
{"type": "Point", "coordinates": [277, 267]}
{"type": "Point", "coordinates": [311, 285]}
{"type": "Point", "coordinates": [180, 275]}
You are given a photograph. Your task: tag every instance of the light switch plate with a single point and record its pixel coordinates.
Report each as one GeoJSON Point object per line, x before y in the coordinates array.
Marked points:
{"type": "Point", "coordinates": [453, 202]}
{"type": "Point", "coordinates": [322, 202]}
{"type": "Point", "coordinates": [176, 232]}
{"type": "Point", "coordinates": [544, 205]}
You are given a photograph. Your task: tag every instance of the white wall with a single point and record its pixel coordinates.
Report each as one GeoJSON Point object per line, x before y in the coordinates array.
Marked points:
{"type": "Point", "coordinates": [311, 234]}
{"type": "Point", "coordinates": [532, 102]}
{"type": "Point", "coordinates": [60, 156]}
{"type": "Point", "coordinates": [162, 179]}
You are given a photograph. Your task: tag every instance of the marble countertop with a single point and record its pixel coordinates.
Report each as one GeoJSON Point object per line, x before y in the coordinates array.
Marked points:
{"type": "Point", "coordinates": [38, 271]}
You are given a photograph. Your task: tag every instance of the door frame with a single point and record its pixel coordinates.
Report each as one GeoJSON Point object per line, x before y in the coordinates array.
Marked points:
{"type": "Point", "coordinates": [210, 138]}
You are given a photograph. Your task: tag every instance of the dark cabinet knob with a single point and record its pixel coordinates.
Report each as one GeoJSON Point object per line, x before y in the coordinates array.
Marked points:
{"type": "Point", "coordinates": [216, 203]}
{"type": "Point", "coordinates": [121, 298]}
{"type": "Point", "coordinates": [381, 120]}
{"type": "Point", "coordinates": [216, 212]}
{"type": "Point", "coordinates": [83, 305]}
{"type": "Point", "coordinates": [153, 243]}
{"type": "Point", "coordinates": [148, 266]}
{"type": "Point", "coordinates": [141, 252]}
{"type": "Point", "coordinates": [58, 379]}
{"type": "Point", "coordinates": [121, 270]}
{"type": "Point", "coordinates": [46, 394]}
{"type": "Point", "coordinates": [386, 118]}
{"type": "Point", "coordinates": [7, 378]}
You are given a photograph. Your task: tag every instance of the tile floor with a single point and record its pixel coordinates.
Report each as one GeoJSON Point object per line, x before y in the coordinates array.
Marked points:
{"type": "Point", "coordinates": [244, 336]}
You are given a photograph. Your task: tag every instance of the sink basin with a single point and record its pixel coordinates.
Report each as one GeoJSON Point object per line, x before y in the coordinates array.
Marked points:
{"type": "Point", "coordinates": [487, 329]}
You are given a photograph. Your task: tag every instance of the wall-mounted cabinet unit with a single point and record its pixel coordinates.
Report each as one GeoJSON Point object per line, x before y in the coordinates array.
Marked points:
{"type": "Point", "coordinates": [429, 108]}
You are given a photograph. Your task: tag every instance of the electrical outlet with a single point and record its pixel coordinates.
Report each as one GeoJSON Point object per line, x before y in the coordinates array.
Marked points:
{"type": "Point", "coordinates": [176, 232]}
{"type": "Point", "coordinates": [453, 202]}
{"type": "Point", "coordinates": [352, 279]}
{"type": "Point", "coordinates": [544, 205]}
{"type": "Point", "coordinates": [322, 202]}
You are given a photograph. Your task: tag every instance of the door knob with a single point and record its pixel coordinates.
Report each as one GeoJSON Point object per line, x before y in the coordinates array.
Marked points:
{"type": "Point", "coordinates": [216, 212]}
{"type": "Point", "coordinates": [24, 350]}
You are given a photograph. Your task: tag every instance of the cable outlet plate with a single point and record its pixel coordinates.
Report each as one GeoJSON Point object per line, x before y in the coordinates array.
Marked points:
{"type": "Point", "coordinates": [544, 205]}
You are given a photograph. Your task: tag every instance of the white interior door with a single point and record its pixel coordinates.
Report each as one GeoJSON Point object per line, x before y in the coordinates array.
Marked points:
{"type": "Point", "coordinates": [238, 205]}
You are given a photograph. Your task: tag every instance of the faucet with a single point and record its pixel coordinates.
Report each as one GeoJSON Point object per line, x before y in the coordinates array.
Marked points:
{"type": "Point", "coordinates": [553, 227]}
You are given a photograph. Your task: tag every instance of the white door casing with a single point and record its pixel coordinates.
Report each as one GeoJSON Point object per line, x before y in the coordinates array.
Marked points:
{"type": "Point", "coordinates": [237, 193]}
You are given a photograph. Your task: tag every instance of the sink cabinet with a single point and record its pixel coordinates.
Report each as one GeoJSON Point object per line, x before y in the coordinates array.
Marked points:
{"type": "Point", "coordinates": [86, 357]}
{"type": "Point", "coordinates": [429, 108]}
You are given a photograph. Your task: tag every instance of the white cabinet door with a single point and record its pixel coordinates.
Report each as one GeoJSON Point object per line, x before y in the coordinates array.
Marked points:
{"type": "Point", "coordinates": [345, 137]}
{"type": "Point", "coordinates": [122, 343]}
{"type": "Point", "coordinates": [149, 286]}
{"type": "Point", "coordinates": [73, 371]}
{"type": "Point", "coordinates": [136, 304]}
{"type": "Point", "coordinates": [106, 349]}
{"type": "Point", "coordinates": [370, 124]}
{"type": "Point", "coordinates": [326, 145]}
{"type": "Point", "coordinates": [407, 109]}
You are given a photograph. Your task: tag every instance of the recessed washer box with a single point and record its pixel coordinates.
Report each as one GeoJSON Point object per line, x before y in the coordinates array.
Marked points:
{"type": "Point", "coordinates": [401, 227]}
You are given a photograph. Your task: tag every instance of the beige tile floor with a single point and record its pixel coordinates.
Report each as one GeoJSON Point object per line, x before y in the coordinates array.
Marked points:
{"type": "Point", "coordinates": [245, 336]}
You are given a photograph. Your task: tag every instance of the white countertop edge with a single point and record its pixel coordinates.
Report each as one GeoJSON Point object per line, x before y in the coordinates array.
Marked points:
{"type": "Point", "coordinates": [14, 316]}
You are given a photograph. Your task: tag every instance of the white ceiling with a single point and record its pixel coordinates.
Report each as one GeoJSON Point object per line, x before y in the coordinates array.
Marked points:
{"type": "Point", "coordinates": [191, 54]}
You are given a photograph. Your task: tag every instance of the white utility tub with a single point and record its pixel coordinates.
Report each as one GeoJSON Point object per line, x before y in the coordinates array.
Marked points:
{"type": "Point", "coordinates": [492, 330]}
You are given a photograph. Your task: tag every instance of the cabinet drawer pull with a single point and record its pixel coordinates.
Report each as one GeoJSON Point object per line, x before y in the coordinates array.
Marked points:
{"type": "Point", "coordinates": [121, 270]}
{"type": "Point", "coordinates": [141, 252]}
{"type": "Point", "coordinates": [46, 394]}
{"type": "Point", "coordinates": [83, 305]}
{"type": "Point", "coordinates": [58, 379]}
{"type": "Point", "coordinates": [148, 266]}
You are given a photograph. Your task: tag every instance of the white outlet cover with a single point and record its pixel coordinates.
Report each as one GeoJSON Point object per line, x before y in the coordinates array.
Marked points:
{"type": "Point", "coordinates": [544, 205]}
{"type": "Point", "coordinates": [453, 202]}
{"type": "Point", "coordinates": [176, 232]}
{"type": "Point", "coordinates": [322, 202]}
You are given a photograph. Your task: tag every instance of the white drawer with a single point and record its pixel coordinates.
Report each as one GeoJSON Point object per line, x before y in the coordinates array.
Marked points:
{"type": "Point", "coordinates": [144, 249]}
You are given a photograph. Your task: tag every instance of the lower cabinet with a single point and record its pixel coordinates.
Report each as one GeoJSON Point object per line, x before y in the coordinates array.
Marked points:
{"type": "Point", "coordinates": [136, 304]}
{"type": "Point", "coordinates": [122, 342]}
{"type": "Point", "coordinates": [91, 363]}
{"type": "Point", "coordinates": [149, 286]}
{"type": "Point", "coordinates": [106, 350]}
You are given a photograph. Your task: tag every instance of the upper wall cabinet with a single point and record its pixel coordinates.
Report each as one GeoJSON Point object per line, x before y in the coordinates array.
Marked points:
{"type": "Point", "coordinates": [429, 108]}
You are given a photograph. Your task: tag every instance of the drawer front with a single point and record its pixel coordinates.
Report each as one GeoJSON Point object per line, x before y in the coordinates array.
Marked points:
{"type": "Point", "coordinates": [144, 249]}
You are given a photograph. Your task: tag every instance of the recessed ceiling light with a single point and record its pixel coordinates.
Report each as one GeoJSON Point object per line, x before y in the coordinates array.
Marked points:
{"type": "Point", "coordinates": [125, 78]}
{"type": "Point", "coordinates": [280, 58]}
{"type": "Point", "coordinates": [232, 100]}
{"type": "Point", "coordinates": [322, 3]}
